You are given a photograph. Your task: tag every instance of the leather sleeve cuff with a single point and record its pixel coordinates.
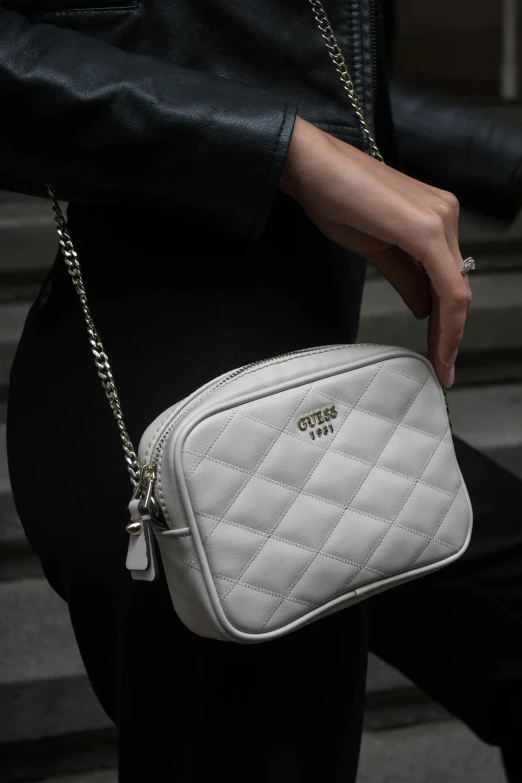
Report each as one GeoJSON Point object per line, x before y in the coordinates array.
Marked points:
{"type": "Point", "coordinates": [238, 165]}
{"type": "Point", "coordinates": [137, 130]}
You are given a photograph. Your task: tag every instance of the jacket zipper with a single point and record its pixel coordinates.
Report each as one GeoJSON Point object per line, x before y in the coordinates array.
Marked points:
{"type": "Point", "coordinates": [373, 41]}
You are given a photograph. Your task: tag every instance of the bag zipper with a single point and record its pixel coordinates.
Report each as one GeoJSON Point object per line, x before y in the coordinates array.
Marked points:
{"type": "Point", "coordinates": [148, 473]}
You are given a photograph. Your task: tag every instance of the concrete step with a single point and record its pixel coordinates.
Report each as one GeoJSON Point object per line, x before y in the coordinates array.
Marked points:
{"type": "Point", "coordinates": [392, 700]}
{"type": "Point", "coordinates": [48, 712]}
{"type": "Point", "coordinates": [492, 346]}
{"type": "Point", "coordinates": [44, 691]}
{"type": "Point", "coordinates": [43, 680]}
{"type": "Point", "coordinates": [491, 350]}
{"type": "Point", "coordinates": [438, 753]}
{"type": "Point", "coordinates": [5, 484]}
{"type": "Point", "coordinates": [98, 776]}
{"type": "Point", "coordinates": [17, 560]}
{"type": "Point", "coordinates": [434, 753]}
{"type": "Point", "coordinates": [28, 239]}
{"type": "Point", "coordinates": [28, 246]}
{"type": "Point", "coordinates": [12, 319]}
{"type": "Point", "coordinates": [488, 417]}
{"type": "Point", "coordinates": [78, 756]}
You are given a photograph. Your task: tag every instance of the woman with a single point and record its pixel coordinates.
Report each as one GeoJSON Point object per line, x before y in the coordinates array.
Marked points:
{"type": "Point", "coordinates": [219, 189]}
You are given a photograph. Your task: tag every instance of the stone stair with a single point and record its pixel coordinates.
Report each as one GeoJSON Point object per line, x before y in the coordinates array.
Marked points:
{"type": "Point", "coordinates": [50, 721]}
{"type": "Point", "coordinates": [434, 753]}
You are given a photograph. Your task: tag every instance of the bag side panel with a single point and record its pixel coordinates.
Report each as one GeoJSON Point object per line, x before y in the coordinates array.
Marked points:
{"type": "Point", "coordinates": [186, 585]}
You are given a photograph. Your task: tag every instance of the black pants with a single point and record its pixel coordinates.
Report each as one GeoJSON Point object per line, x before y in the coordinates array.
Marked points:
{"type": "Point", "coordinates": [458, 633]}
{"type": "Point", "coordinates": [173, 314]}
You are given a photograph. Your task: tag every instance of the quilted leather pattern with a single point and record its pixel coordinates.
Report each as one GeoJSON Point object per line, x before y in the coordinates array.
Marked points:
{"type": "Point", "coordinates": [290, 520]}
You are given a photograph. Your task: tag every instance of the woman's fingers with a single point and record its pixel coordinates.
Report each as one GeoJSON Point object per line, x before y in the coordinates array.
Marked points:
{"type": "Point", "coordinates": [410, 282]}
{"type": "Point", "coordinates": [453, 232]}
{"type": "Point", "coordinates": [435, 243]}
{"type": "Point", "coordinates": [452, 315]}
{"type": "Point", "coordinates": [444, 374]}
{"type": "Point", "coordinates": [453, 243]}
{"type": "Point", "coordinates": [454, 296]}
{"type": "Point", "coordinates": [372, 210]}
{"type": "Point", "coordinates": [446, 317]}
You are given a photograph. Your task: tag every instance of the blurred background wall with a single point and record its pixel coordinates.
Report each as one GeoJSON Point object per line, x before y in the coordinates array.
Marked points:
{"type": "Point", "coordinates": [451, 45]}
{"type": "Point", "coordinates": [50, 723]}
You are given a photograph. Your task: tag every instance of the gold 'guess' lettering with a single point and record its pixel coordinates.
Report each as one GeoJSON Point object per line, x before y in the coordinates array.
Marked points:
{"type": "Point", "coordinates": [311, 420]}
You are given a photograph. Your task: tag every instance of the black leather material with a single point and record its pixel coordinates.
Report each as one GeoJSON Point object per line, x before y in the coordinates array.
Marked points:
{"type": "Point", "coordinates": [187, 103]}
{"type": "Point", "coordinates": [473, 150]}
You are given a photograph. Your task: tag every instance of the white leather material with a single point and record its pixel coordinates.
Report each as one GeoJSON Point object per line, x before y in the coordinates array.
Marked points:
{"type": "Point", "coordinates": [141, 559]}
{"type": "Point", "coordinates": [276, 519]}
{"type": "Point", "coordinates": [189, 596]}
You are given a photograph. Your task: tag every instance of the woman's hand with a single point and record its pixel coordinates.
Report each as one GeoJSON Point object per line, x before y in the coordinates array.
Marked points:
{"type": "Point", "coordinates": [388, 218]}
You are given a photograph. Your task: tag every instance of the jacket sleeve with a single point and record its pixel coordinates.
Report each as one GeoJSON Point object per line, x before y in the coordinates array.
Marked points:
{"type": "Point", "coordinates": [475, 151]}
{"type": "Point", "coordinates": [102, 125]}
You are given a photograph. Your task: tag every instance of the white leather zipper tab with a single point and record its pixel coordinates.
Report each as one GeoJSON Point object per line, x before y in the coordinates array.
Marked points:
{"type": "Point", "coordinates": [141, 556]}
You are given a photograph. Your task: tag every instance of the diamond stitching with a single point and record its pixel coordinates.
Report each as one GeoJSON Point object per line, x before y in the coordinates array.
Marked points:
{"type": "Point", "coordinates": [318, 445]}
{"type": "Point", "coordinates": [211, 444]}
{"type": "Point", "coordinates": [417, 557]}
{"type": "Point", "coordinates": [389, 368]}
{"type": "Point", "coordinates": [372, 465]}
{"type": "Point", "coordinates": [310, 474]}
{"type": "Point", "coordinates": [380, 415]}
{"type": "Point", "coordinates": [238, 582]}
{"type": "Point", "coordinates": [252, 473]}
{"type": "Point", "coordinates": [350, 502]}
{"type": "Point", "coordinates": [327, 500]}
{"type": "Point", "coordinates": [283, 540]}
{"type": "Point", "coordinates": [381, 540]}
{"type": "Point", "coordinates": [194, 567]}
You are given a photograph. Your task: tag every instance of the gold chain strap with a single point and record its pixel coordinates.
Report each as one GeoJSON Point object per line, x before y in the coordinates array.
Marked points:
{"type": "Point", "coordinates": [337, 57]}
{"type": "Point", "coordinates": [71, 258]}
{"type": "Point", "coordinates": [100, 357]}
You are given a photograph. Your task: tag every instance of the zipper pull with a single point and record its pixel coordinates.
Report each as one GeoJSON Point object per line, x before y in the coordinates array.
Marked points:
{"type": "Point", "coordinates": [143, 492]}
{"type": "Point", "coordinates": [141, 554]}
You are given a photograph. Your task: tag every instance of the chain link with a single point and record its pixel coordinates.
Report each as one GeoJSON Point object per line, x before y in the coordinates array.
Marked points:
{"type": "Point", "coordinates": [337, 57]}
{"type": "Point", "coordinates": [101, 359]}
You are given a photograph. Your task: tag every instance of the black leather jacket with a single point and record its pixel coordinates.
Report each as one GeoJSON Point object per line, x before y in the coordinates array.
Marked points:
{"type": "Point", "coordinates": [190, 103]}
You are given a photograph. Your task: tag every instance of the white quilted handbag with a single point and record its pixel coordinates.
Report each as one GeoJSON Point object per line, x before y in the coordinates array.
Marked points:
{"type": "Point", "coordinates": [294, 487]}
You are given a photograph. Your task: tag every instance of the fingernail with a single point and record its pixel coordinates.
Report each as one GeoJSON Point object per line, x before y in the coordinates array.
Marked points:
{"type": "Point", "coordinates": [451, 378]}
{"type": "Point", "coordinates": [452, 359]}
